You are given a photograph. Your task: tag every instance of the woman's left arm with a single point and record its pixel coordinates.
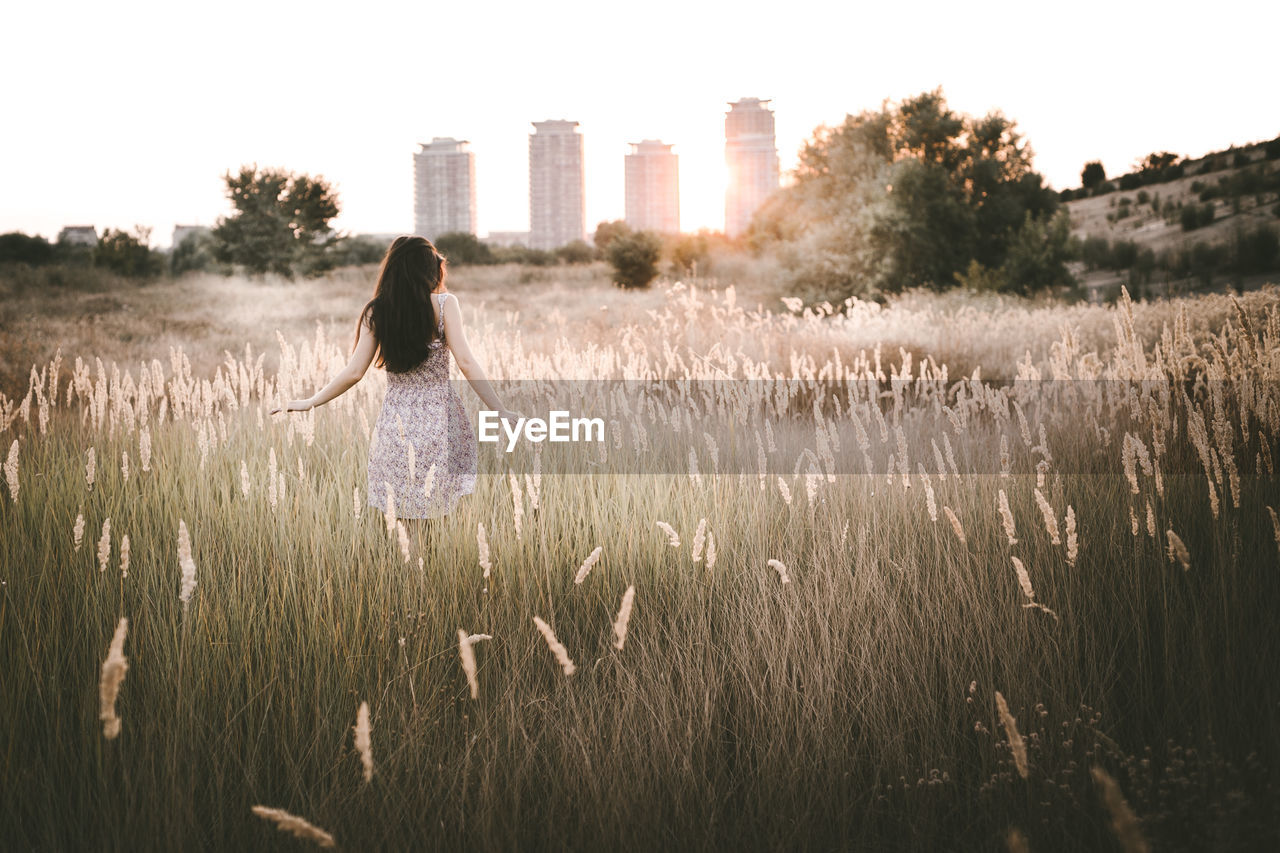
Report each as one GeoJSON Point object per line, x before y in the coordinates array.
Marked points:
{"type": "Point", "coordinates": [352, 373]}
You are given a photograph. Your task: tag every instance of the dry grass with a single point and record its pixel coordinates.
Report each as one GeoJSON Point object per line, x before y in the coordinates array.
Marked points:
{"type": "Point", "coordinates": [854, 705]}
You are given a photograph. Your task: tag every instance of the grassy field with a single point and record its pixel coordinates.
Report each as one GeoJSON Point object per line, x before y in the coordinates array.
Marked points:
{"type": "Point", "coordinates": [1064, 509]}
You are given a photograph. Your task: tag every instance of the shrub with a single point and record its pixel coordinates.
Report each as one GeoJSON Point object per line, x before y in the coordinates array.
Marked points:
{"type": "Point", "coordinates": [576, 252]}
{"type": "Point", "coordinates": [1123, 254]}
{"type": "Point", "coordinates": [16, 247]}
{"type": "Point", "coordinates": [1095, 251]}
{"type": "Point", "coordinates": [1195, 216]}
{"type": "Point", "coordinates": [1272, 149]}
{"type": "Point", "coordinates": [690, 254]}
{"type": "Point", "coordinates": [195, 254]}
{"type": "Point", "coordinates": [634, 258]}
{"type": "Point", "coordinates": [127, 253]}
{"type": "Point", "coordinates": [1256, 250]}
{"type": "Point", "coordinates": [463, 248]}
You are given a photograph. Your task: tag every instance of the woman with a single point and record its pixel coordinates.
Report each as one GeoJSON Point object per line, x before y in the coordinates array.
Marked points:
{"type": "Point", "coordinates": [423, 450]}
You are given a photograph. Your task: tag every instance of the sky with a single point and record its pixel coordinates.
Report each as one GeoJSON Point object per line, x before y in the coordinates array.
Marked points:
{"type": "Point", "coordinates": [130, 113]}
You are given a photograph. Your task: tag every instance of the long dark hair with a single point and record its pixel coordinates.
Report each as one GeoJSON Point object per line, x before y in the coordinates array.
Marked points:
{"type": "Point", "coordinates": [400, 312]}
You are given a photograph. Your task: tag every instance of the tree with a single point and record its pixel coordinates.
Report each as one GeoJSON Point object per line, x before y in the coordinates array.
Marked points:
{"type": "Point", "coordinates": [607, 231]}
{"type": "Point", "coordinates": [280, 223]}
{"type": "Point", "coordinates": [126, 253]}
{"type": "Point", "coordinates": [16, 247]}
{"type": "Point", "coordinates": [1038, 254]}
{"type": "Point", "coordinates": [904, 196]}
{"type": "Point", "coordinates": [463, 248]}
{"type": "Point", "coordinates": [1158, 161]}
{"type": "Point", "coordinates": [634, 257]}
{"type": "Point", "coordinates": [1092, 175]}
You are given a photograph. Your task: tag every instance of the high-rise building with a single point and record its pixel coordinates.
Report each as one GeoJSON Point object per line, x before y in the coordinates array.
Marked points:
{"type": "Point", "coordinates": [444, 188]}
{"type": "Point", "coordinates": [653, 187]}
{"type": "Point", "coordinates": [557, 202]}
{"type": "Point", "coordinates": [752, 156]}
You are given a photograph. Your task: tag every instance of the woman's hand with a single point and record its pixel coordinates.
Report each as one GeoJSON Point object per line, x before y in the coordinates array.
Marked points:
{"type": "Point", "coordinates": [294, 406]}
{"type": "Point", "coordinates": [508, 415]}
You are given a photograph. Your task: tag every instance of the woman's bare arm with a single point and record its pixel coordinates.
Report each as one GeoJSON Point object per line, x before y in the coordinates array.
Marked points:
{"type": "Point", "coordinates": [353, 372]}
{"type": "Point", "coordinates": [470, 366]}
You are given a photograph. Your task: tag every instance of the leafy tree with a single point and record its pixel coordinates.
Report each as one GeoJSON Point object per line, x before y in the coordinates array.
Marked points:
{"type": "Point", "coordinates": [1092, 175]}
{"type": "Point", "coordinates": [904, 196]}
{"type": "Point", "coordinates": [16, 247]}
{"type": "Point", "coordinates": [1036, 259]}
{"type": "Point", "coordinates": [127, 253]}
{"type": "Point", "coordinates": [607, 231]}
{"type": "Point", "coordinates": [280, 223]}
{"type": "Point", "coordinates": [1158, 161]}
{"type": "Point", "coordinates": [463, 248]}
{"type": "Point", "coordinates": [634, 257]}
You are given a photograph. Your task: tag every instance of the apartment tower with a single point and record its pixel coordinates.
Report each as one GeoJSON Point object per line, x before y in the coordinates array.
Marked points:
{"type": "Point", "coordinates": [752, 156]}
{"type": "Point", "coordinates": [557, 202]}
{"type": "Point", "coordinates": [653, 187]}
{"type": "Point", "coordinates": [444, 188]}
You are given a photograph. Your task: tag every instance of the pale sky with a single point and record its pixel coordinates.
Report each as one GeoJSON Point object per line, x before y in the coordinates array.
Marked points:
{"type": "Point", "coordinates": [120, 113]}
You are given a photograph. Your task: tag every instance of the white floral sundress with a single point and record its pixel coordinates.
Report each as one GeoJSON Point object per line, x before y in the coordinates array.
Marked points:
{"type": "Point", "coordinates": [423, 445]}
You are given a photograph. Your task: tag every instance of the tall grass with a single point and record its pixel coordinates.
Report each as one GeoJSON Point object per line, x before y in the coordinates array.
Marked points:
{"type": "Point", "coordinates": [867, 702]}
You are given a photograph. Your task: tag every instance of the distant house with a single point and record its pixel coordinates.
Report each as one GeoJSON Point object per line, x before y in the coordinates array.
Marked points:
{"type": "Point", "coordinates": [79, 235]}
{"type": "Point", "coordinates": [182, 232]}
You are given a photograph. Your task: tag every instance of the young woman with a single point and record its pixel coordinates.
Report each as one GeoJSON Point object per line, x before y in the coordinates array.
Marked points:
{"type": "Point", "coordinates": [423, 450]}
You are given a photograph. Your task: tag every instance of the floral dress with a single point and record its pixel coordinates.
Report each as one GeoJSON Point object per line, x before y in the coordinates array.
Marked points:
{"type": "Point", "coordinates": [423, 446]}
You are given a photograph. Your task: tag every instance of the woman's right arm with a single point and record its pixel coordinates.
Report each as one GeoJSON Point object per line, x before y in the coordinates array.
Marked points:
{"type": "Point", "coordinates": [456, 337]}
{"type": "Point", "coordinates": [353, 372]}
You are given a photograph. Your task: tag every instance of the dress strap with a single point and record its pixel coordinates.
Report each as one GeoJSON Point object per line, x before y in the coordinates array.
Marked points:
{"type": "Point", "coordinates": [440, 327]}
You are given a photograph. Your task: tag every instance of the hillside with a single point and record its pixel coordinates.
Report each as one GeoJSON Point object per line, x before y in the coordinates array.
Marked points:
{"type": "Point", "coordinates": [1183, 234]}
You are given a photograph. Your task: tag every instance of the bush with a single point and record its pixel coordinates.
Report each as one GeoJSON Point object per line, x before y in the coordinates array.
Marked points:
{"type": "Point", "coordinates": [1123, 254]}
{"type": "Point", "coordinates": [1130, 181]}
{"type": "Point", "coordinates": [634, 258]}
{"type": "Point", "coordinates": [576, 252]}
{"type": "Point", "coordinates": [1195, 216]}
{"type": "Point", "coordinates": [1095, 251]}
{"type": "Point", "coordinates": [195, 254]}
{"type": "Point", "coordinates": [1272, 149]}
{"type": "Point", "coordinates": [18, 248]}
{"type": "Point", "coordinates": [463, 249]}
{"type": "Point", "coordinates": [127, 253]}
{"type": "Point", "coordinates": [607, 231]}
{"type": "Point", "coordinates": [1256, 250]}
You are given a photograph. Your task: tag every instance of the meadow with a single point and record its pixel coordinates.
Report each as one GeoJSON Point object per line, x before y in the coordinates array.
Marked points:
{"type": "Point", "coordinates": [955, 572]}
